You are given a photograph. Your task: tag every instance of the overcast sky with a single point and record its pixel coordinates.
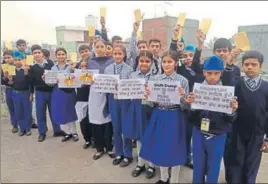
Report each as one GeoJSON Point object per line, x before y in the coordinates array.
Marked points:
{"type": "Point", "coordinates": [36, 20]}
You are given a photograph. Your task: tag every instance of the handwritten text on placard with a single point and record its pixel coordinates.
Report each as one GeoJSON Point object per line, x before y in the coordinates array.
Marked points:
{"type": "Point", "coordinates": [131, 88]}
{"type": "Point", "coordinates": [104, 83]}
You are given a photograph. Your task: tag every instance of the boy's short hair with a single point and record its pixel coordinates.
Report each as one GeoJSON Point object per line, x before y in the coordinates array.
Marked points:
{"type": "Point", "coordinates": [84, 47]}
{"type": "Point", "coordinates": [108, 43]}
{"type": "Point", "coordinates": [154, 40]}
{"type": "Point", "coordinates": [222, 43]}
{"type": "Point", "coordinates": [114, 38]}
{"type": "Point", "coordinates": [141, 42]}
{"type": "Point", "coordinates": [8, 52]}
{"type": "Point", "coordinates": [46, 52]}
{"type": "Point", "coordinates": [253, 55]}
{"type": "Point", "coordinates": [36, 47]}
{"type": "Point", "coordinates": [20, 41]}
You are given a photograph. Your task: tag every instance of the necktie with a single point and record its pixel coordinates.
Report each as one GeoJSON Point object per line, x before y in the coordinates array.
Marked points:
{"type": "Point", "coordinates": [190, 70]}
{"type": "Point", "coordinates": [251, 83]}
{"type": "Point", "coordinates": [119, 70]}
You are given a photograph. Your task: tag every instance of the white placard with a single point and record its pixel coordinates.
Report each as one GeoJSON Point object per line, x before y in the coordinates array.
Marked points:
{"type": "Point", "coordinates": [51, 77]}
{"type": "Point", "coordinates": [164, 92]}
{"type": "Point", "coordinates": [86, 76]}
{"type": "Point", "coordinates": [68, 80]}
{"type": "Point", "coordinates": [131, 88]}
{"type": "Point", "coordinates": [213, 97]}
{"type": "Point", "coordinates": [104, 83]}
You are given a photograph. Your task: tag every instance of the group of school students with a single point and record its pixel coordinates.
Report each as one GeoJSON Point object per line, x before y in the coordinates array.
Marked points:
{"type": "Point", "coordinates": [166, 134]}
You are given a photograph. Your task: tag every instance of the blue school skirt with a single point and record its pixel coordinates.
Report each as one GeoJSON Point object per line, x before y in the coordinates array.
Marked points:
{"type": "Point", "coordinates": [63, 106]}
{"type": "Point", "coordinates": [164, 142]}
{"type": "Point", "coordinates": [137, 120]}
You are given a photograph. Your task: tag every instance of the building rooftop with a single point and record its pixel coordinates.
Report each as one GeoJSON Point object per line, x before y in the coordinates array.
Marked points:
{"type": "Point", "coordinates": [74, 28]}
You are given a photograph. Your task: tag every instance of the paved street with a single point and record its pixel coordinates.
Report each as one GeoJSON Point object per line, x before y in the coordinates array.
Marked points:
{"type": "Point", "coordinates": [24, 160]}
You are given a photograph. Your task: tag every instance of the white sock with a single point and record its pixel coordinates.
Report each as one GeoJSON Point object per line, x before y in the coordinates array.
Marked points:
{"type": "Point", "coordinates": [141, 161]}
{"type": "Point", "coordinates": [164, 174]}
{"type": "Point", "coordinates": [175, 174]}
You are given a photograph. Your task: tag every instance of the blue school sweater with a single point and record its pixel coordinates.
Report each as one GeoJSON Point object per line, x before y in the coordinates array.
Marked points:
{"type": "Point", "coordinates": [253, 108]}
{"type": "Point", "coordinates": [22, 81]}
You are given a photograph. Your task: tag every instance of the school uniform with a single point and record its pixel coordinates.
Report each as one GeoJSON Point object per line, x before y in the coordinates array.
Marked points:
{"type": "Point", "coordinates": [98, 111]}
{"type": "Point", "coordinates": [63, 102]}
{"type": "Point", "coordinates": [208, 146]}
{"type": "Point", "coordinates": [9, 101]}
{"type": "Point", "coordinates": [164, 141]}
{"type": "Point", "coordinates": [20, 94]}
{"type": "Point", "coordinates": [117, 108]}
{"type": "Point", "coordinates": [248, 130]}
{"type": "Point", "coordinates": [43, 94]}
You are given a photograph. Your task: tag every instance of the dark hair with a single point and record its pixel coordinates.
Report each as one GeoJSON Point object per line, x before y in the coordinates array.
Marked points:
{"type": "Point", "coordinates": [84, 47]}
{"type": "Point", "coordinates": [154, 40]}
{"type": "Point", "coordinates": [60, 49]}
{"type": "Point", "coordinates": [143, 53]}
{"type": "Point", "coordinates": [141, 42]}
{"type": "Point", "coordinates": [173, 54]}
{"type": "Point", "coordinates": [99, 40]}
{"type": "Point", "coordinates": [36, 47]}
{"type": "Point", "coordinates": [20, 41]}
{"type": "Point", "coordinates": [8, 52]}
{"type": "Point", "coordinates": [46, 52]}
{"type": "Point", "coordinates": [123, 49]}
{"type": "Point", "coordinates": [254, 55]}
{"type": "Point", "coordinates": [222, 43]}
{"type": "Point", "coordinates": [108, 43]}
{"type": "Point", "coordinates": [115, 38]}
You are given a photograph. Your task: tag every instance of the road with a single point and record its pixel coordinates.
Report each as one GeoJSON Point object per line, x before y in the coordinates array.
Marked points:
{"type": "Point", "coordinates": [24, 160]}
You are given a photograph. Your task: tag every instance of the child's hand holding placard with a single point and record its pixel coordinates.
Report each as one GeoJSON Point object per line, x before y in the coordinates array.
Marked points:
{"type": "Point", "coordinates": [242, 41]}
{"type": "Point", "coordinates": [138, 15]}
{"type": "Point", "coordinates": [29, 60]}
{"type": "Point", "coordinates": [181, 19]}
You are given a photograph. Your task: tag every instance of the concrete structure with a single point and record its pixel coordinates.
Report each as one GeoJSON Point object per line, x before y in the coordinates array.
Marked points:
{"type": "Point", "coordinates": [258, 38]}
{"type": "Point", "coordinates": [91, 20]}
{"type": "Point", "coordinates": [162, 28]}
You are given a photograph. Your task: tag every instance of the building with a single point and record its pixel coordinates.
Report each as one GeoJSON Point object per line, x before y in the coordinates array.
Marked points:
{"type": "Point", "coordinates": [91, 20]}
{"type": "Point", "coordinates": [162, 28]}
{"type": "Point", "coordinates": [258, 38]}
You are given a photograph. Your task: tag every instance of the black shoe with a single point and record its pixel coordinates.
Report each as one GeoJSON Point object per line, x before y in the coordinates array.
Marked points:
{"type": "Point", "coordinates": [41, 138]}
{"type": "Point", "coordinates": [22, 133]}
{"type": "Point", "coordinates": [66, 137]}
{"type": "Point", "coordinates": [117, 160]}
{"type": "Point", "coordinates": [75, 137]}
{"type": "Point", "coordinates": [34, 126]}
{"type": "Point", "coordinates": [15, 129]}
{"type": "Point", "coordinates": [87, 145]}
{"type": "Point", "coordinates": [111, 154]}
{"type": "Point", "coordinates": [138, 170]}
{"type": "Point", "coordinates": [59, 134]}
{"type": "Point", "coordinates": [162, 182]}
{"type": "Point", "coordinates": [93, 144]}
{"type": "Point", "coordinates": [126, 161]}
{"type": "Point", "coordinates": [28, 133]}
{"type": "Point", "coordinates": [134, 144]}
{"type": "Point", "coordinates": [189, 165]}
{"type": "Point", "coordinates": [150, 172]}
{"type": "Point", "coordinates": [98, 155]}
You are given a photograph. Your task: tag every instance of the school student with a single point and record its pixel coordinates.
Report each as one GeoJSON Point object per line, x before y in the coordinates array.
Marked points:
{"type": "Point", "coordinates": [139, 113]}
{"type": "Point", "coordinates": [109, 48]}
{"type": "Point", "coordinates": [123, 145]}
{"type": "Point", "coordinates": [63, 101]}
{"type": "Point", "coordinates": [8, 58]}
{"type": "Point", "coordinates": [164, 141]}
{"type": "Point", "coordinates": [98, 112]}
{"type": "Point", "coordinates": [42, 93]}
{"type": "Point", "coordinates": [247, 137]}
{"type": "Point", "coordinates": [210, 129]}
{"type": "Point", "coordinates": [155, 48]}
{"type": "Point", "coordinates": [46, 55]}
{"type": "Point", "coordinates": [22, 95]}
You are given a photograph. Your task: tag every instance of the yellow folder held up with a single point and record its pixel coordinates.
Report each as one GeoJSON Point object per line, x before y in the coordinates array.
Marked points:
{"type": "Point", "coordinates": [241, 41]}
{"type": "Point", "coordinates": [205, 25]}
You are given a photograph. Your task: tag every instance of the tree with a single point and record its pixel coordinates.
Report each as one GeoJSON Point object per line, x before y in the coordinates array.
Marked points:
{"type": "Point", "coordinates": [210, 43]}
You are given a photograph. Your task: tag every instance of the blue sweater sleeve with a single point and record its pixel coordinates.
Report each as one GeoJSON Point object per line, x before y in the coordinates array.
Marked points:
{"type": "Point", "coordinates": [173, 45]}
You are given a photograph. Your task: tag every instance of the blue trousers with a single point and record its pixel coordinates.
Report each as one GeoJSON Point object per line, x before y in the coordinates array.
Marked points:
{"type": "Point", "coordinates": [42, 102]}
{"type": "Point", "coordinates": [207, 155]}
{"type": "Point", "coordinates": [123, 146]}
{"type": "Point", "coordinates": [22, 109]}
{"type": "Point", "coordinates": [10, 106]}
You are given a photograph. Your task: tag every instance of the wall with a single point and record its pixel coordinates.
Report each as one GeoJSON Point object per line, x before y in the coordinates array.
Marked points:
{"type": "Point", "coordinates": [72, 35]}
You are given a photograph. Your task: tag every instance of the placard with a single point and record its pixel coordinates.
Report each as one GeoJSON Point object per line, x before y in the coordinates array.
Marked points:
{"type": "Point", "coordinates": [68, 80]}
{"type": "Point", "coordinates": [241, 41]}
{"type": "Point", "coordinates": [9, 45]}
{"type": "Point", "coordinates": [164, 92]}
{"type": "Point", "coordinates": [73, 57]}
{"type": "Point", "coordinates": [205, 25]}
{"type": "Point", "coordinates": [86, 76]}
{"type": "Point", "coordinates": [51, 77]}
{"type": "Point", "coordinates": [213, 97]}
{"type": "Point", "coordinates": [11, 70]}
{"type": "Point", "coordinates": [91, 31]}
{"type": "Point", "coordinates": [5, 67]}
{"type": "Point", "coordinates": [131, 88]}
{"type": "Point", "coordinates": [103, 12]}
{"type": "Point", "coordinates": [29, 60]}
{"type": "Point", "coordinates": [138, 16]}
{"type": "Point", "coordinates": [181, 19]}
{"type": "Point", "coordinates": [104, 83]}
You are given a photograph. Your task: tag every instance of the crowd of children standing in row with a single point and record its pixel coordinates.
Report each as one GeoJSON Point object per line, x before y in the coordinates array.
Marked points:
{"type": "Point", "coordinates": [163, 131]}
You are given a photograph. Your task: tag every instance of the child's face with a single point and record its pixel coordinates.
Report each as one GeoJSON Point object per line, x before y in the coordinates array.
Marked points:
{"type": "Point", "coordinates": [117, 42]}
{"type": "Point", "coordinates": [212, 77]}
{"type": "Point", "coordinates": [21, 47]}
{"type": "Point", "coordinates": [155, 48]}
{"type": "Point", "coordinates": [188, 58]}
{"type": "Point", "coordinates": [61, 56]}
{"type": "Point", "coordinates": [118, 55]}
{"type": "Point", "coordinates": [18, 62]}
{"type": "Point", "coordinates": [142, 46]}
{"type": "Point", "coordinates": [168, 65]}
{"type": "Point", "coordinates": [100, 49]}
{"type": "Point", "coordinates": [8, 59]}
{"type": "Point", "coordinates": [38, 55]}
{"type": "Point", "coordinates": [83, 65]}
{"type": "Point", "coordinates": [251, 67]}
{"type": "Point", "coordinates": [144, 64]}
{"type": "Point", "coordinates": [223, 53]}
{"type": "Point", "coordinates": [180, 46]}
{"type": "Point", "coordinates": [84, 53]}
{"type": "Point", "coordinates": [109, 50]}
